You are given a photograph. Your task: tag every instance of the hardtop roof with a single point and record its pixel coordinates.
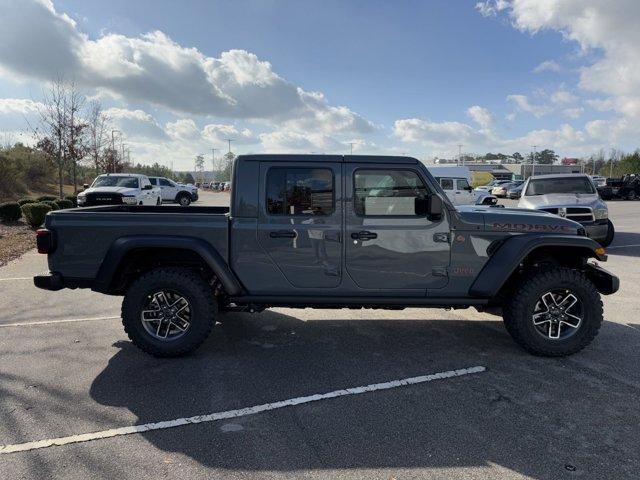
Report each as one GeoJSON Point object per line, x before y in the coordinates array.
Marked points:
{"type": "Point", "coordinates": [328, 158]}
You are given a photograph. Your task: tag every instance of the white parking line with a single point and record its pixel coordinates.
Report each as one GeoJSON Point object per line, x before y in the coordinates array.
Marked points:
{"type": "Point", "coordinates": [49, 322]}
{"type": "Point", "coordinates": [115, 432]}
{"type": "Point", "coordinates": [623, 246]}
{"type": "Point", "coordinates": [15, 278]}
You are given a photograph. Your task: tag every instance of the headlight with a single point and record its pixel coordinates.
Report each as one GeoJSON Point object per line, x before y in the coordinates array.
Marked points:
{"type": "Point", "coordinates": [601, 213]}
{"type": "Point", "coordinates": [129, 200]}
{"type": "Point", "coordinates": [82, 199]}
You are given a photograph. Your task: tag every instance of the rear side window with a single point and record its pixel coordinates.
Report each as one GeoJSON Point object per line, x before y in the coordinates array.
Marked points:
{"type": "Point", "coordinates": [300, 191]}
{"type": "Point", "coordinates": [446, 183]}
{"type": "Point", "coordinates": [387, 192]}
{"type": "Point", "coordinates": [153, 181]}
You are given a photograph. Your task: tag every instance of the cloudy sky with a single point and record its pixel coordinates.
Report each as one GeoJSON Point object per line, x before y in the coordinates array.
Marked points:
{"type": "Point", "coordinates": [415, 77]}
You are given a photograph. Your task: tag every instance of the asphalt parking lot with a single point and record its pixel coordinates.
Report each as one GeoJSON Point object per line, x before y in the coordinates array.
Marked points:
{"type": "Point", "coordinates": [67, 368]}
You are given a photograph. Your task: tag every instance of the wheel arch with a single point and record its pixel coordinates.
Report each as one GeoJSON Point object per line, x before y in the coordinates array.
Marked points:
{"type": "Point", "coordinates": [520, 250]}
{"type": "Point", "coordinates": [130, 255]}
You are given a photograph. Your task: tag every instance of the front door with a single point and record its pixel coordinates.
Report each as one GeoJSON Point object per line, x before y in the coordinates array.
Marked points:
{"type": "Point", "coordinates": [300, 223]}
{"type": "Point", "coordinates": [388, 246]}
{"type": "Point", "coordinates": [169, 190]}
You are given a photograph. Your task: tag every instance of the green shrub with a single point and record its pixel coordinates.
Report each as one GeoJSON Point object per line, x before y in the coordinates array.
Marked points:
{"type": "Point", "coordinates": [65, 204]}
{"type": "Point", "coordinates": [24, 201]}
{"type": "Point", "coordinates": [73, 199]}
{"type": "Point", "coordinates": [52, 204]}
{"type": "Point", "coordinates": [47, 198]}
{"type": "Point", "coordinates": [34, 213]}
{"type": "Point", "coordinates": [10, 212]}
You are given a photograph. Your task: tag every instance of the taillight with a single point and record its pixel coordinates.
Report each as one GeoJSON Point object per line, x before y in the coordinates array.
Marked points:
{"type": "Point", "coordinates": [44, 240]}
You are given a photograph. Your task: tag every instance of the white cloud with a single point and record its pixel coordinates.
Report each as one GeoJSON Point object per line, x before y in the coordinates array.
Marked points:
{"type": "Point", "coordinates": [481, 116]}
{"type": "Point", "coordinates": [436, 133]}
{"type": "Point", "coordinates": [547, 66]}
{"type": "Point", "coordinates": [610, 28]}
{"type": "Point", "coordinates": [288, 141]}
{"type": "Point", "coordinates": [523, 104]}
{"type": "Point", "coordinates": [134, 123]}
{"type": "Point", "coordinates": [153, 68]}
{"type": "Point", "coordinates": [183, 129]}
{"type": "Point", "coordinates": [562, 97]}
{"type": "Point", "coordinates": [574, 112]}
{"type": "Point", "coordinates": [219, 133]}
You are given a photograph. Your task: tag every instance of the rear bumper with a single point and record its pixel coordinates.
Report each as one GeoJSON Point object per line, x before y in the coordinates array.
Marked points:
{"type": "Point", "coordinates": [54, 281]}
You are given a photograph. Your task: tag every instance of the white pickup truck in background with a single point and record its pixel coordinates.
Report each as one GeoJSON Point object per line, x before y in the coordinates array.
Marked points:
{"type": "Point", "coordinates": [456, 183]}
{"type": "Point", "coordinates": [120, 188]}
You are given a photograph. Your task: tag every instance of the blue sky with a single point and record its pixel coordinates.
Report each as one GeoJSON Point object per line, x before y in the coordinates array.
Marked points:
{"type": "Point", "coordinates": [391, 77]}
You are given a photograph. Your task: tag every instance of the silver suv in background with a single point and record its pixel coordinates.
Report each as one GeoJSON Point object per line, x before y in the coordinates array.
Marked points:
{"type": "Point", "coordinates": [572, 196]}
{"type": "Point", "coordinates": [175, 192]}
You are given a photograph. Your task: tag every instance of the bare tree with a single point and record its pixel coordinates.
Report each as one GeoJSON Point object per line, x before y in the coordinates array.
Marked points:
{"type": "Point", "coordinates": [62, 134]}
{"type": "Point", "coordinates": [98, 126]}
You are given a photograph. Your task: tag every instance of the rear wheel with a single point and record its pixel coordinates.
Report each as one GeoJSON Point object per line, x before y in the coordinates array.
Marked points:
{"type": "Point", "coordinates": [554, 312]}
{"type": "Point", "coordinates": [632, 195]}
{"type": "Point", "coordinates": [169, 312]}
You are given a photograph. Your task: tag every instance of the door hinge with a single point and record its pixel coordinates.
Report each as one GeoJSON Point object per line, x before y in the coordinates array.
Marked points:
{"type": "Point", "coordinates": [441, 237]}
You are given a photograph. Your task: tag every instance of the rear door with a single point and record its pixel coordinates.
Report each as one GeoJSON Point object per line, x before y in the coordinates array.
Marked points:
{"type": "Point", "coordinates": [300, 221]}
{"type": "Point", "coordinates": [387, 246]}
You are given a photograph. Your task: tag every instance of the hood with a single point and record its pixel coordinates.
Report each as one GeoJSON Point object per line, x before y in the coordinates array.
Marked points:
{"type": "Point", "coordinates": [517, 220]}
{"type": "Point", "coordinates": [559, 199]}
{"type": "Point", "coordinates": [122, 190]}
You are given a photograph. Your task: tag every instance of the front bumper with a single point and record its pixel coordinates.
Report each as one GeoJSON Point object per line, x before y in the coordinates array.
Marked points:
{"type": "Point", "coordinates": [597, 230]}
{"type": "Point", "coordinates": [194, 196]}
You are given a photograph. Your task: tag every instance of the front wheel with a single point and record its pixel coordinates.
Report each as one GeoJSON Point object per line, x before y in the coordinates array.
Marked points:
{"type": "Point", "coordinates": [169, 312]}
{"type": "Point", "coordinates": [554, 312]}
{"type": "Point", "coordinates": [184, 200]}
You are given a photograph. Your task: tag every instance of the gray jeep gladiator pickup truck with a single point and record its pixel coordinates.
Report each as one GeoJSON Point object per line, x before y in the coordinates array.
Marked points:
{"type": "Point", "coordinates": [327, 231]}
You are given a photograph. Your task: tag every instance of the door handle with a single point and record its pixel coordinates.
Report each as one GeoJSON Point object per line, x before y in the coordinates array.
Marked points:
{"type": "Point", "coordinates": [364, 235]}
{"type": "Point", "coordinates": [283, 234]}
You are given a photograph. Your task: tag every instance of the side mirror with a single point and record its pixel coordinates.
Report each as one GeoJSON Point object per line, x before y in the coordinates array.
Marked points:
{"type": "Point", "coordinates": [147, 187]}
{"type": "Point", "coordinates": [469, 188]}
{"type": "Point", "coordinates": [429, 207]}
{"type": "Point", "coordinates": [85, 186]}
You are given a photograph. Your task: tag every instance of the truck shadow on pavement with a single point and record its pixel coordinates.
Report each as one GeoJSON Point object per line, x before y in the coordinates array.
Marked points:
{"type": "Point", "coordinates": [544, 418]}
{"type": "Point", "coordinates": [630, 243]}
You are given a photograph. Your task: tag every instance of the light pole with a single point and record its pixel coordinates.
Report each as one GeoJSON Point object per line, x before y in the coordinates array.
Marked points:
{"type": "Point", "coordinates": [113, 150]}
{"type": "Point", "coordinates": [213, 163]}
{"type": "Point", "coordinates": [460, 154]}
{"type": "Point", "coordinates": [533, 161]}
{"type": "Point", "coordinates": [351, 145]}
{"type": "Point", "coordinates": [230, 140]}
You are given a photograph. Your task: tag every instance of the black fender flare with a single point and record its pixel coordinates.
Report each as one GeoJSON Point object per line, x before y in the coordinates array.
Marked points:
{"type": "Point", "coordinates": [119, 248]}
{"type": "Point", "coordinates": [506, 258]}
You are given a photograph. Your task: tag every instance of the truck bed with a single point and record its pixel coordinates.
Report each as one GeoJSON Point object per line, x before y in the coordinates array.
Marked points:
{"type": "Point", "coordinates": [83, 236]}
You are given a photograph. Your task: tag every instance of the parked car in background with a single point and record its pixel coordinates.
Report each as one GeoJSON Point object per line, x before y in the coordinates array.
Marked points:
{"type": "Point", "coordinates": [494, 183]}
{"type": "Point", "coordinates": [215, 186]}
{"type": "Point", "coordinates": [455, 183]}
{"type": "Point", "coordinates": [629, 188]}
{"type": "Point", "coordinates": [501, 190]}
{"type": "Point", "coordinates": [515, 192]}
{"type": "Point", "coordinates": [598, 180]}
{"type": "Point", "coordinates": [572, 196]}
{"type": "Point", "coordinates": [120, 188]}
{"type": "Point", "coordinates": [175, 192]}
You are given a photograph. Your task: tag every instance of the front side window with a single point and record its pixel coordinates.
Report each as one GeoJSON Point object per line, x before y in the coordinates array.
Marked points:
{"type": "Point", "coordinates": [387, 192]}
{"type": "Point", "coordinates": [463, 184]}
{"type": "Point", "coordinates": [165, 183]}
{"type": "Point", "coordinates": [154, 181]}
{"type": "Point", "coordinates": [300, 191]}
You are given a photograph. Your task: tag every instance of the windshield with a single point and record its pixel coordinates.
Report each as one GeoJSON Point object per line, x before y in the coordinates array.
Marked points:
{"type": "Point", "coordinates": [109, 181]}
{"type": "Point", "coordinates": [559, 185]}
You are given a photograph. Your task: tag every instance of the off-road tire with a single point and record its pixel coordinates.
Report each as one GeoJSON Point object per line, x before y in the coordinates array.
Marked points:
{"type": "Point", "coordinates": [611, 232]}
{"type": "Point", "coordinates": [519, 308]}
{"type": "Point", "coordinates": [188, 284]}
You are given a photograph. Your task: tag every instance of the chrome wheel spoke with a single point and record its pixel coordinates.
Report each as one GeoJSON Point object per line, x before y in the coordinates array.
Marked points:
{"type": "Point", "coordinates": [557, 314]}
{"type": "Point", "coordinates": [166, 316]}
